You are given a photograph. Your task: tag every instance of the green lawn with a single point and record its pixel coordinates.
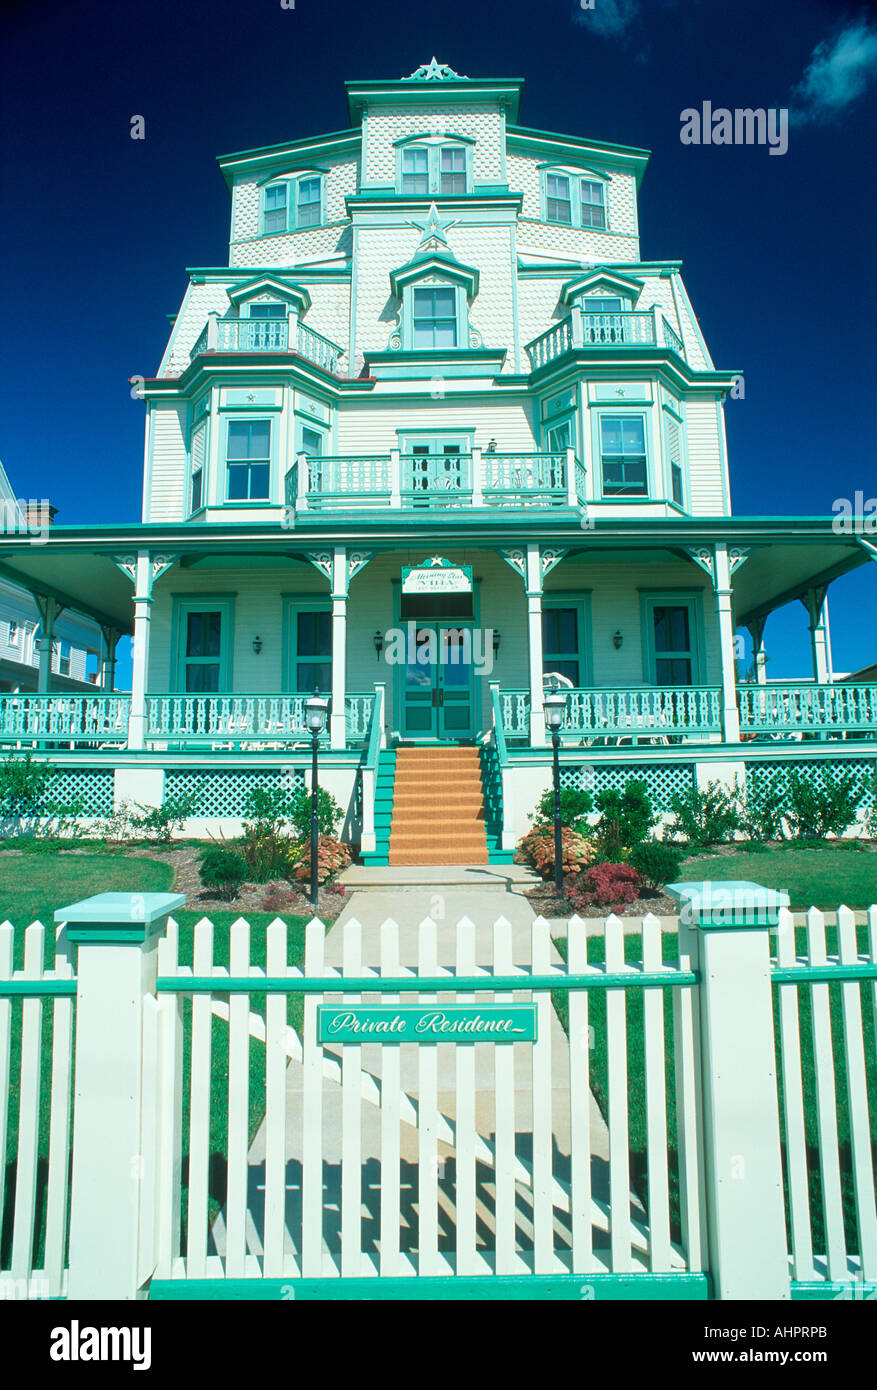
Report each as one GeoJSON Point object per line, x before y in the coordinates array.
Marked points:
{"type": "Point", "coordinates": [823, 877]}
{"type": "Point", "coordinates": [32, 887]}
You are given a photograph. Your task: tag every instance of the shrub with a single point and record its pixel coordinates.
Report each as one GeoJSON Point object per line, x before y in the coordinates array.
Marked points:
{"type": "Point", "coordinates": [761, 813]}
{"type": "Point", "coordinates": [332, 856]}
{"type": "Point", "coordinates": [574, 808]}
{"type": "Point", "coordinates": [656, 863]}
{"type": "Point", "coordinates": [813, 812]}
{"type": "Point", "coordinates": [604, 885]}
{"type": "Point", "coordinates": [708, 817]}
{"type": "Point", "coordinates": [328, 812]}
{"type": "Point", "coordinates": [27, 802]}
{"type": "Point", "coordinates": [269, 855]}
{"type": "Point", "coordinates": [536, 848]}
{"type": "Point", "coordinates": [159, 822]}
{"type": "Point", "coordinates": [626, 820]}
{"type": "Point", "coordinates": [222, 872]}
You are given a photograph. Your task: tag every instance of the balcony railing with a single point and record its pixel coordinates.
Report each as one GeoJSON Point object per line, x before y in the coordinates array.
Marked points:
{"type": "Point", "coordinates": [64, 719]}
{"type": "Point", "coordinates": [595, 714]}
{"type": "Point", "coordinates": [801, 708]}
{"type": "Point", "coordinates": [266, 335]}
{"type": "Point", "coordinates": [411, 481]}
{"type": "Point", "coordinates": [581, 330]}
{"type": "Point", "coordinates": [235, 720]}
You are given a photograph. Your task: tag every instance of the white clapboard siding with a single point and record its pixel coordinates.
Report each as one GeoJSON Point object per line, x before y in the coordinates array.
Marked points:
{"type": "Point", "coordinates": [656, 1102]}
{"type": "Point", "coordinates": [826, 1105]}
{"type": "Point", "coordinates": [619, 1147]}
{"type": "Point", "coordinates": [793, 1107]}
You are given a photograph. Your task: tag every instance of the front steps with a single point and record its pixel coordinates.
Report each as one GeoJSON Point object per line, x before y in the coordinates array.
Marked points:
{"type": "Point", "coordinates": [438, 808]}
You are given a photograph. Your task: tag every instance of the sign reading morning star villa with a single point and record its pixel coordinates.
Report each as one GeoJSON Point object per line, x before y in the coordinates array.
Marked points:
{"type": "Point", "coordinates": [417, 1023]}
{"type": "Point", "coordinates": [437, 576]}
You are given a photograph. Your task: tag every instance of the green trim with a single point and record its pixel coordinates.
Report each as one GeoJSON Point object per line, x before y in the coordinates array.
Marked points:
{"type": "Point", "coordinates": [693, 601]}
{"type": "Point", "coordinates": [37, 989]}
{"type": "Point", "coordinates": [581, 602]}
{"type": "Point", "coordinates": [181, 606]}
{"type": "Point", "coordinates": [477, 1288]}
{"type": "Point", "coordinates": [414, 984]}
{"type": "Point", "coordinates": [826, 974]}
{"type": "Point", "coordinates": [841, 1291]}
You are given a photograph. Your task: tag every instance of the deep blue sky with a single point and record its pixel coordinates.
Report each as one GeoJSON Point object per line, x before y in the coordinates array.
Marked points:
{"type": "Point", "coordinates": [96, 228]}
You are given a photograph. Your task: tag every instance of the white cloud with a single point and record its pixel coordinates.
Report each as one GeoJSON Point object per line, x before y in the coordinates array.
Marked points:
{"type": "Point", "coordinates": [609, 19]}
{"type": "Point", "coordinates": [838, 73]}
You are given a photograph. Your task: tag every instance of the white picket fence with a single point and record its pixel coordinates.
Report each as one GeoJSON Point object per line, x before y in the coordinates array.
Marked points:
{"type": "Point", "coordinates": [445, 1160]}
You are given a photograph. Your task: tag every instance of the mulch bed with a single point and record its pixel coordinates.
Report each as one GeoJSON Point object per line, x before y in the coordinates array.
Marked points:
{"type": "Point", "coordinates": [544, 900]}
{"type": "Point", "coordinates": [278, 896]}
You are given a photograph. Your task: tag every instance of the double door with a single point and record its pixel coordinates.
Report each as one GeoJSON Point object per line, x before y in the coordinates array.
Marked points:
{"type": "Point", "coordinates": [438, 686]}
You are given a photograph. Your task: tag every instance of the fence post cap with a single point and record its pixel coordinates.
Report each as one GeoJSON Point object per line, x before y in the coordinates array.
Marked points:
{"type": "Point", "coordinates": [117, 916]}
{"type": "Point", "coordinates": [733, 904]}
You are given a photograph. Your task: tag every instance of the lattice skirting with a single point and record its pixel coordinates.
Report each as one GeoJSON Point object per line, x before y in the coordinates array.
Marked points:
{"type": "Point", "coordinates": [91, 787]}
{"type": "Point", "coordinates": [224, 791]}
{"type": "Point", "coordinates": [765, 776]}
{"type": "Point", "coordinates": [663, 779]}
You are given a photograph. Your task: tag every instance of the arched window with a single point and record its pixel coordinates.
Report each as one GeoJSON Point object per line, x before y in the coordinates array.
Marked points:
{"type": "Point", "coordinates": [574, 198]}
{"type": "Point", "coordinates": [434, 168]}
{"type": "Point", "coordinates": [293, 204]}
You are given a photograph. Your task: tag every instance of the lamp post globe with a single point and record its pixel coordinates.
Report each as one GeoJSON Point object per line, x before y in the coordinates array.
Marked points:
{"type": "Point", "coordinates": [316, 712]}
{"type": "Point", "coordinates": [555, 712]}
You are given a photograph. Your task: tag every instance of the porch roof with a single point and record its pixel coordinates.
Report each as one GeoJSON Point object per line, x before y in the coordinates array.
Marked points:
{"type": "Point", "coordinates": [787, 555]}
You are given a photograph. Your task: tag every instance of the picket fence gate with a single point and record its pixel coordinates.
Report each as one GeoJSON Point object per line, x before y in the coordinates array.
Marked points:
{"type": "Point", "coordinates": [437, 1169]}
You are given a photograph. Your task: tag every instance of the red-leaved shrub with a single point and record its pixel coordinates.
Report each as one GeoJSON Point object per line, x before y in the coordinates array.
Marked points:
{"type": "Point", "coordinates": [604, 885]}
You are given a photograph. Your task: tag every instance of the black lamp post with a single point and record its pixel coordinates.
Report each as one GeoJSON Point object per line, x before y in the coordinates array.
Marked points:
{"type": "Point", "coordinates": [555, 709]}
{"type": "Point", "coordinates": [316, 709]}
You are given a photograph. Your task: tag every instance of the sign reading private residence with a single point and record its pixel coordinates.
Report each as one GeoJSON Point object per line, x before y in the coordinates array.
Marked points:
{"type": "Point", "coordinates": [437, 576]}
{"type": "Point", "coordinates": [419, 1023]}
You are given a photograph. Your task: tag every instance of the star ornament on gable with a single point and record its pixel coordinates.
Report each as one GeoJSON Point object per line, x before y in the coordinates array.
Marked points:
{"type": "Point", "coordinates": [434, 227]}
{"type": "Point", "coordinates": [434, 71]}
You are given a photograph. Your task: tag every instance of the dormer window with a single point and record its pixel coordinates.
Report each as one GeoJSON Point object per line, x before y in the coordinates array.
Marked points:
{"type": "Point", "coordinates": [434, 169]}
{"type": "Point", "coordinates": [293, 204]}
{"type": "Point", "coordinates": [572, 200]}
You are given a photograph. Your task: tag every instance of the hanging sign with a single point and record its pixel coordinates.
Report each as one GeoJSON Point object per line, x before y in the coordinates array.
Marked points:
{"type": "Point", "coordinates": [437, 576]}
{"type": "Point", "coordinates": [426, 1023]}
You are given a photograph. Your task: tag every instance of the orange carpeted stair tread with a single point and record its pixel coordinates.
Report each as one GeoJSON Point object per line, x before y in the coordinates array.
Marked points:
{"type": "Point", "coordinates": [438, 808]}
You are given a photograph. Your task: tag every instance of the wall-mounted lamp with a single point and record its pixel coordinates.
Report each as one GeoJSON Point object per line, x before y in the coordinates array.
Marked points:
{"type": "Point", "coordinates": [378, 640]}
{"type": "Point", "coordinates": [491, 448]}
{"type": "Point", "coordinates": [496, 640]}
{"type": "Point", "coordinates": [617, 640]}
{"type": "Point", "coordinates": [257, 644]}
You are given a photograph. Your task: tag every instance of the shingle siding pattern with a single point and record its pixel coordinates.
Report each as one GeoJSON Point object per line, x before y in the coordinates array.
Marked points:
{"type": "Point", "coordinates": [479, 122]}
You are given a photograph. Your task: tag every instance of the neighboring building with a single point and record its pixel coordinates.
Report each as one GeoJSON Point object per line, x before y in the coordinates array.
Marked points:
{"type": "Point", "coordinates": [76, 641]}
{"type": "Point", "coordinates": [438, 431]}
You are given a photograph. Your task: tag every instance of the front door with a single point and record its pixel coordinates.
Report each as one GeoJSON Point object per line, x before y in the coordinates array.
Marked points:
{"type": "Point", "coordinates": [438, 685]}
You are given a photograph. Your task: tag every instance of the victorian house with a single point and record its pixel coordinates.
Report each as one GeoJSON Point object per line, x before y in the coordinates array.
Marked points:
{"type": "Point", "coordinates": [439, 437]}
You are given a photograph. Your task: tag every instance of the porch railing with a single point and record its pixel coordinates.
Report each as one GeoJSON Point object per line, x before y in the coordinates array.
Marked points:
{"type": "Point", "coordinates": [640, 712]}
{"type": "Point", "coordinates": [249, 719]}
{"type": "Point", "coordinates": [807, 708]}
{"type": "Point", "coordinates": [57, 717]}
{"type": "Point", "coordinates": [581, 330]}
{"type": "Point", "coordinates": [267, 335]}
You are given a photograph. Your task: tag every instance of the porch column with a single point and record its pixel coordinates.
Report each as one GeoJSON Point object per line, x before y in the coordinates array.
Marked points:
{"type": "Point", "coordinates": [49, 609]}
{"type": "Point", "coordinates": [140, 652]}
{"type": "Point", "coordinates": [816, 604]}
{"type": "Point", "coordinates": [756, 632]}
{"type": "Point", "coordinates": [533, 587]}
{"type": "Point", "coordinates": [338, 719]}
{"type": "Point", "coordinates": [109, 642]}
{"type": "Point", "coordinates": [722, 581]}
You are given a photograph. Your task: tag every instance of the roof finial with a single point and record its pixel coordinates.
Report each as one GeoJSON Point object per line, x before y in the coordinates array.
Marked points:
{"type": "Point", "coordinates": [433, 71]}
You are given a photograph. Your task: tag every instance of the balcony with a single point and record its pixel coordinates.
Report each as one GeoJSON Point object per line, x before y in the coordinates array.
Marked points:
{"type": "Point", "coordinates": [267, 335]}
{"type": "Point", "coordinates": [423, 481]}
{"type": "Point", "coordinates": [582, 331]}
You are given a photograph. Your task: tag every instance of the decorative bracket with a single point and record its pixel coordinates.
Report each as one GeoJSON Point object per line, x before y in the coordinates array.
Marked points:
{"type": "Point", "coordinates": [518, 561]}
{"type": "Point", "coordinates": [549, 557]}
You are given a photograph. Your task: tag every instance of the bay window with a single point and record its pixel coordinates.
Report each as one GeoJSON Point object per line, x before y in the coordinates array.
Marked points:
{"type": "Point", "coordinates": [248, 460]}
{"type": "Point", "coordinates": [623, 456]}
